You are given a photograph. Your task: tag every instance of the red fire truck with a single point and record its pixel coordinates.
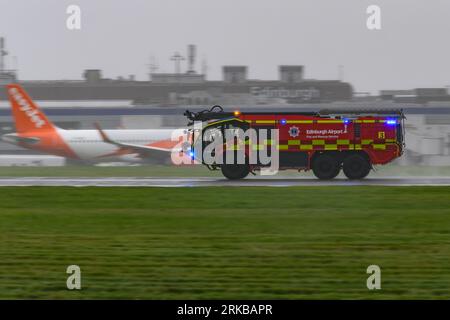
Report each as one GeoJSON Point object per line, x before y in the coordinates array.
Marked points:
{"type": "Point", "coordinates": [324, 142]}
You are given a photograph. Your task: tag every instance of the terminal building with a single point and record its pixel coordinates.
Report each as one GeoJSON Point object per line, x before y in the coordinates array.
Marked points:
{"type": "Point", "coordinates": [185, 88]}
{"type": "Point", "coordinates": [192, 88]}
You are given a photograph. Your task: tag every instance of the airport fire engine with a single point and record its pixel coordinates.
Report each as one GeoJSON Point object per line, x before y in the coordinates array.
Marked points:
{"type": "Point", "coordinates": [324, 142]}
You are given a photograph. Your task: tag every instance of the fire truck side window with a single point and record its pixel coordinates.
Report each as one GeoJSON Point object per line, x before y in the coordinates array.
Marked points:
{"type": "Point", "coordinates": [212, 134]}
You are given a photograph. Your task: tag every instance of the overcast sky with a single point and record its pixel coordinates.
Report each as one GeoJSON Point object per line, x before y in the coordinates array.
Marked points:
{"type": "Point", "coordinates": [411, 50]}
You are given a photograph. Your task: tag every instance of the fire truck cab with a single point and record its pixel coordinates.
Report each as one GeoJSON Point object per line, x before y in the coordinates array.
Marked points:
{"type": "Point", "coordinates": [324, 142]}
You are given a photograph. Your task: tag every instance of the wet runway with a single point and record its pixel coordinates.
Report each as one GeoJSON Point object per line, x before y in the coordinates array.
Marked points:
{"type": "Point", "coordinates": [211, 182]}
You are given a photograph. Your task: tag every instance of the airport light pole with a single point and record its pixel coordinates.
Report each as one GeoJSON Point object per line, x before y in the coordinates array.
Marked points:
{"type": "Point", "coordinates": [177, 58]}
{"type": "Point", "coordinates": [3, 53]}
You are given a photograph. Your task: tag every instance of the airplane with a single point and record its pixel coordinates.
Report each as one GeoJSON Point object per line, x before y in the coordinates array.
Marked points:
{"type": "Point", "coordinates": [35, 131]}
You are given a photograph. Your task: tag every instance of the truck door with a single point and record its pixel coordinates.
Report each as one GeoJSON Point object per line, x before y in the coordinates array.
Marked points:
{"type": "Point", "coordinates": [217, 133]}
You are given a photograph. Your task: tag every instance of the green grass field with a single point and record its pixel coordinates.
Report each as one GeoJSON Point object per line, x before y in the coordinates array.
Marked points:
{"type": "Point", "coordinates": [243, 243]}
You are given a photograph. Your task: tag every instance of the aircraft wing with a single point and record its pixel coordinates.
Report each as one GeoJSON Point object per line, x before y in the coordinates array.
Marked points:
{"type": "Point", "coordinates": [15, 139]}
{"type": "Point", "coordinates": [140, 149]}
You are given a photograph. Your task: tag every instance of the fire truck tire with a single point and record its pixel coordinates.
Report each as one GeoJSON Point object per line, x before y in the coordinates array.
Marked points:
{"type": "Point", "coordinates": [235, 171]}
{"type": "Point", "coordinates": [325, 167]}
{"type": "Point", "coordinates": [356, 167]}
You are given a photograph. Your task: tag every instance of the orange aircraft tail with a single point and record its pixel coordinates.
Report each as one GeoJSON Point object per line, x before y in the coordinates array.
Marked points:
{"type": "Point", "coordinates": [27, 115]}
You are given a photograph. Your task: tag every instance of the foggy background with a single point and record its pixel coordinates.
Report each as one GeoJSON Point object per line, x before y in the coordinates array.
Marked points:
{"type": "Point", "coordinates": [411, 50]}
{"type": "Point", "coordinates": [326, 40]}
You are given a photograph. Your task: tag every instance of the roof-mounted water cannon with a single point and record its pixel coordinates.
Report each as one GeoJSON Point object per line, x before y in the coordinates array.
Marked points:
{"type": "Point", "coordinates": [216, 112]}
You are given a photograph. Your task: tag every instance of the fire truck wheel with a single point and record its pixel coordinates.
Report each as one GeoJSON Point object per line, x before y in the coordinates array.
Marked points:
{"type": "Point", "coordinates": [325, 167]}
{"type": "Point", "coordinates": [235, 171]}
{"type": "Point", "coordinates": [356, 167]}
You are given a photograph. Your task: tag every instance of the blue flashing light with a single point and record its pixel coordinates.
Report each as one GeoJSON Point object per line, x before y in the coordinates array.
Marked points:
{"type": "Point", "coordinates": [283, 121]}
{"type": "Point", "coordinates": [191, 154]}
{"type": "Point", "coordinates": [346, 121]}
{"type": "Point", "coordinates": [391, 121]}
